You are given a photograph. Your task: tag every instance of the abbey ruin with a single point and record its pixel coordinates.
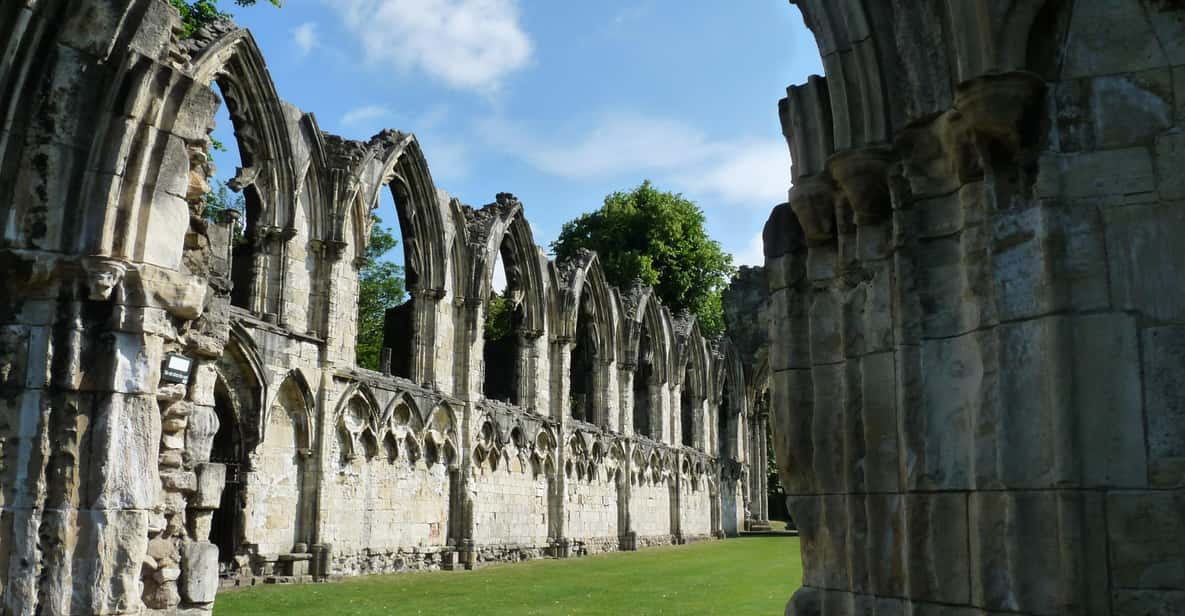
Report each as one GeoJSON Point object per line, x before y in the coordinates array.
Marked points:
{"type": "Point", "coordinates": [978, 308]}
{"type": "Point", "coordinates": [180, 405]}
{"type": "Point", "coordinates": [969, 332]}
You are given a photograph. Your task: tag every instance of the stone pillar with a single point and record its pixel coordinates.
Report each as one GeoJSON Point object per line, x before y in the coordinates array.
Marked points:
{"type": "Point", "coordinates": [762, 512]}
{"type": "Point", "coordinates": [973, 289]}
{"type": "Point", "coordinates": [423, 368]}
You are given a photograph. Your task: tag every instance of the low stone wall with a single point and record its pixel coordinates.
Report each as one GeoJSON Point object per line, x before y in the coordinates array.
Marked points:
{"type": "Point", "coordinates": [591, 507]}
{"type": "Point", "coordinates": [650, 510]}
{"type": "Point", "coordinates": [374, 562]}
{"type": "Point", "coordinates": [510, 506]}
{"type": "Point", "coordinates": [695, 512]}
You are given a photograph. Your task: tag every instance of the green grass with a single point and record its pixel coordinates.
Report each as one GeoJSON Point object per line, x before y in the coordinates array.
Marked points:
{"type": "Point", "coordinates": [747, 575]}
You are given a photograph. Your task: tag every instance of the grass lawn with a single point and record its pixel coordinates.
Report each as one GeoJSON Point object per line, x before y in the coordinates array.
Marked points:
{"type": "Point", "coordinates": [748, 575]}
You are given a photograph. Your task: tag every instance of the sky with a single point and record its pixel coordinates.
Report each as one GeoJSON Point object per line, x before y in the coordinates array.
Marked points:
{"type": "Point", "coordinates": [560, 103]}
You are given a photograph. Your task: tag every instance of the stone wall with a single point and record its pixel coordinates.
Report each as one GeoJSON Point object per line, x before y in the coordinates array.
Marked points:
{"type": "Point", "coordinates": [593, 511]}
{"type": "Point", "coordinates": [179, 400]}
{"type": "Point", "coordinates": [975, 301]}
{"type": "Point", "coordinates": [650, 512]}
{"type": "Point", "coordinates": [510, 504]}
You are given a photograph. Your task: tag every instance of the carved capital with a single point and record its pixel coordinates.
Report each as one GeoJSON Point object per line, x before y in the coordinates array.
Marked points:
{"type": "Point", "coordinates": [102, 276]}
{"type": "Point", "coordinates": [430, 294]}
{"type": "Point", "coordinates": [334, 249]}
{"type": "Point", "coordinates": [862, 175]}
{"type": "Point", "coordinates": [813, 202]}
{"type": "Point", "coordinates": [992, 115]}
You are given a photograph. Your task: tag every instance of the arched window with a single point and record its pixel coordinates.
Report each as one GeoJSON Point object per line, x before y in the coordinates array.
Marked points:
{"type": "Point", "coordinates": [386, 286]}
{"type": "Point", "coordinates": [234, 202]}
{"type": "Point", "coordinates": [643, 376]}
{"type": "Point", "coordinates": [687, 412]}
{"type": "Point", "coordinates": [503, 323]}
{"type": "Point", "coordinates": [724, 423]}
{"type": "Point", "coordinates": [583, 365]}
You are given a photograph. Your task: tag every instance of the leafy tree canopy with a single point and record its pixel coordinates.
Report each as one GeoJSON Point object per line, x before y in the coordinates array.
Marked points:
{"type": "Point", "coordinates": [197, 13]}
{"type": "Point", "coordinates": [380, 287]}
{"type": "Point", "coordinates": [658, 237]}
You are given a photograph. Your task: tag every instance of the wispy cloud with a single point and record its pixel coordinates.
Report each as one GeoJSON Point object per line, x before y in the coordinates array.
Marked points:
{"type": "Point", "coordinates": [305, 37]}
{"type": "Point", "coordinates": [363, 117]}
{"type": "Point", "coordinates": [467, 44]}
{"type": "Point", "coordinates": [752, 254]}
{"type": "Point", "coordinates": [754, 172]}
{"type": "Point", "coordinates": [631, 13]}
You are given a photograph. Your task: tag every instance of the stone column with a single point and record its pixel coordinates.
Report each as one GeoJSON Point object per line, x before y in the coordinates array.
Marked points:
{"type": "Point", "coordinates": [762, 513]}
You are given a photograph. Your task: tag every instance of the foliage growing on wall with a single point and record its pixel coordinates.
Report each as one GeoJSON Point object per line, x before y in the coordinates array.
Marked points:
{"type": "Point", "coordinates": [380, 287]}
{"type": "Point", "coordinates": [659, 237]}
{"type": "Point", "coordinates": [197, 13]}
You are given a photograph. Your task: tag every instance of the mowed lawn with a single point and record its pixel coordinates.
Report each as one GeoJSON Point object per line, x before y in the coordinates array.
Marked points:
{"type": "Point", "coordinates": [749, 575]}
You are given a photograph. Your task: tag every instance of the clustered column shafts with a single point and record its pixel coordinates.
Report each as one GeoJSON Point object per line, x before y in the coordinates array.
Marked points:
{"type": "Point", "coordinates": [971, 301]}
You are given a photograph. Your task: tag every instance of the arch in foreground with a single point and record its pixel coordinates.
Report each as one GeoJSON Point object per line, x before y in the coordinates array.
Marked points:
{"type": "Point", "coordinates": [968, 368]}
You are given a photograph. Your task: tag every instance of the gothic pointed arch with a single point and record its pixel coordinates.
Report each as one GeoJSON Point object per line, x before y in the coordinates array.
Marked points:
{"type": "Point", "coordinates": [394, 161]}
{"type": "Point", "coordinates": [694, 381]}
{"type": "Point", "coordinates": [240, 367]}
{"type": "Point", "coordinates": [587, 289]}
{"type": "Point", "coordinates": [586, 316]}
{"type": "Point", "coordinates": [229, 55]}
{"type": "Point", "coordinates": [295, 396]}
{"type": "Point", "coordinates": [648, 351]}
{"type": "Point", "coordinates": [500, 230]}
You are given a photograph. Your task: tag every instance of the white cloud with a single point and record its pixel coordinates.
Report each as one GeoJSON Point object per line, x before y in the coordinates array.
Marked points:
{"type": "Point", "coordinates": [618, 143]}
{"type": "Point", "coordinates": [305, 37]}
{"type": "Point", "coordinates": [753, 253]}
{"type": "Point", "coordinates": [364, 116]}
{"type": "Point", "coordinates": [467, 44]}
{"type": "Point", "coordinates": [752, 172]}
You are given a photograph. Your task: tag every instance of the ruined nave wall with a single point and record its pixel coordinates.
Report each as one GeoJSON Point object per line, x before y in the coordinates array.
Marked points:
{"type": "Point", "coordinates": [264, 450]}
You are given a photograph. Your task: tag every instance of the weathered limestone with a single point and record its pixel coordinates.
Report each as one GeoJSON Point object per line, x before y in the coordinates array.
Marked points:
{"type": "Point", "coordinates": [179, 404]}
{"type": "Point", "coordinates": [974, 295]}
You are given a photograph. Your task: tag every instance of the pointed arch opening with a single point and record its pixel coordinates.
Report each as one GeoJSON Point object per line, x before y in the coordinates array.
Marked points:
{"type": "Point", "coordinates": [226, 527]}
{"type": "Point", "coordinates": [504, 320]}
{"type": "Point", "coordinates": [585, 360]}
{"type": "Point", "coordinates": [514, 320]}
{"type": "Point", "coordinates": [687, 408]}
{"type": "Point", "coordinates": [644, 376]}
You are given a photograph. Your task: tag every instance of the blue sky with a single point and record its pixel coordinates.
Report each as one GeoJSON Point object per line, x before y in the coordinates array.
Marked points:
{"type": "Point", "coordinates": [559, 103]}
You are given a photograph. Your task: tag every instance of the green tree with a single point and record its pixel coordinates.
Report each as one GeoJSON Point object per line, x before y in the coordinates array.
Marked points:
{"type": "Point", "coordinates": [380, 287]}
{"type": "Point", "coordinates": [197, 13]}
{"type": "Point", "coordinates": [219, 200]}
{"type": "Point", "coordinates": [498, 316]}
{"type": "Point", "coordinates": [657, 237]}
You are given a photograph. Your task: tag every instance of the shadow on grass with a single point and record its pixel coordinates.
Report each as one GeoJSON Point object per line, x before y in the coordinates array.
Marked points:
{"type": "Point", "coordinates": [766, 534]}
